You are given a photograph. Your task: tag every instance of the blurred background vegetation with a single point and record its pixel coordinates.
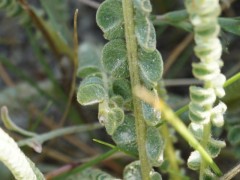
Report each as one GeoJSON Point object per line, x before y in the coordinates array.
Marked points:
{"type": "Point", "coordinates": [37, 80]}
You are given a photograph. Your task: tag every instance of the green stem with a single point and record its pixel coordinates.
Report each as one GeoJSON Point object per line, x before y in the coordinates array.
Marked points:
{"type": "Point", "coordinates": [84, 166]}
{"type": "Point", "coordinates": [135, 81]}
{"type": "Point", "coordinates": [179, 126]}
{"type": "Point", "coordinates": [170, 153]}
{"type": "Point", "coordinates": [206, 135]}
{"type": "Point", "coordinates": [59, 132]}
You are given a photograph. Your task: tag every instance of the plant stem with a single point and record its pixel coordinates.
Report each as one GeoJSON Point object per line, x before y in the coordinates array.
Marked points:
{"type": "Point", "coordinates": [86, 165]}
{"type": "Point", "coordinates": [131, 43]}
{"type": "Point", "coordinates": [59, 132]}
{"type": "Point", "coordinates": [206, 135]}
{"type": "Point", "coordinates": [170, 153]}
{"type": "Point", "coordinates": [176, 122]}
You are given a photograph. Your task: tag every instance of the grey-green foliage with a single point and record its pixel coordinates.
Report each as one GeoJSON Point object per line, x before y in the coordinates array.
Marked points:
{"type": "Point", "coordinates": [110, 19]}
{"type": "Point", "coordinates": [110, 115]}
{"type": "Point", "coordinates": [154, 146]}
{"type": "Point", "coordinates": [91, 91]}
{"type": "Point", "coordinates": [125, 135]}
{"type": "Point", "coordinates": [133, 172]}
{"type": "Point", "coordinates": [110, 86]}
{"type": "Point", "coordinates": [114, 58]}
{"type": "Point", "coordinates": [203, 111]}
{"type": "Point", "coordinates": [13, 9]}
{"type": "Point", "coordinates": [114, 55]}
{"type": "Point", "coordinates": [88, 60]}
{"type": "Point", "coordinates": [91, 174]}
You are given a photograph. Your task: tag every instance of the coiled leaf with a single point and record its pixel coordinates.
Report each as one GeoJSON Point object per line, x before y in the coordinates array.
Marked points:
{"type": "Point", "coordinates": [196, 130]}
{"type": "Point", "coordinates": [198, 114]}
{"type": "Point", "coordinates": [114, 58]}
{"type": "Point", "coordinates": [214, 147]}
{"type": "Point", "coordinates": [91, 91]}
{"type": "Point", "coordinates": [110, 19]}
{"type": "Point", "coordinates": [217, 114]}
{"type": "Point", "coordinates": [194, 160]}
{"type": "Point", "coordinates": [202, 96]}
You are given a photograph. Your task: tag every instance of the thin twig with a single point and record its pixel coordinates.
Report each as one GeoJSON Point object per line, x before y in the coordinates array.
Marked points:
{"type": "Point", "coordinates": [59, 132]}
{"type": "Point", "coordinates": [5, 77]}
{"type": "Point", "coordinates": [177, 51]}
{"type": "Point", "coordinates": [181, 82]}
{"type": "Point", "coordinates": [57, 155]}
{"type": "Point", "coordinates": [69, 138]}
{"type": "Point", "coordinates": [75, 66]}
{"type": "Point", "coordinates": [232, 173]}
{"type": "Point", "coordinates": [90, 3]}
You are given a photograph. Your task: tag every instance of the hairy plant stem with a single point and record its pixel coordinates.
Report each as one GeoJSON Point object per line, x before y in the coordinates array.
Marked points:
{"type": "Point", "coordinates": [206, 136]}
{"type": "Point", "coordinates": [131, 43]}
{"type": "Point", "coordinates": [170, 153]}
{"type": "Point", "coordinates": [179, 126]}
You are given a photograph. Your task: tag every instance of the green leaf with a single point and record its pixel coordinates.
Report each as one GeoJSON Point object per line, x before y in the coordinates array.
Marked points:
{"type": "Point", "coordinates": [155, 176]}
{"type": "Point", "coordinates": [125, 135]}
{"type": "Point", "coordinates": [176, 16]}
{"type": "Point", "coordinates": [202, 96]}
{"type": "Point", "coordinates": [114, 58]}
{"type": "Point", "coordinates": [151, 116]}
{"type": "Point", "coordinates": [198, 114]}
{"type": "Point", "coordinates": [145, 33]}
{"type": "Point", "coordinates": [196, 130]}
{"type": "Point", "coordinates": [151, 67]}
{"type": "Point", "coordinates": [91, 174]}
{"type": "Point", "coordinates": [122, 87]}
{"type": "Point", "coordinates": [209, 175]}
{"type": "Point", "coordinates": [234, 135]}
{"type": "Point", "coordinates": [194, 160]}
{"type": "Point", "coordinates": [89, 60]}
{"type": "Point", "coordinates": [111, 118]}
{"type": "Point", "coordinates": [91, 91]}
{"type": "Point", "coordinates": [132, 171]}
{"type": "Point", "coordinates": [110, 19]}
{"type": "Point", "coordinates": [230, 25]}
{"type": "Point", "coordinates": [144, 6]}
{"type": "Point", "coordinates": [214, 147]}
{"type": "Point", "coordinates": [118, 100]}
{"type": "Point", "coordinates": [154, 146]}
